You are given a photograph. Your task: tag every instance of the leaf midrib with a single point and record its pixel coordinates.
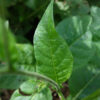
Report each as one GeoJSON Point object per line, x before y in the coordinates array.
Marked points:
{"type": "Point", "coordinates": [78, 38]}
{"type": "Point", "coordinates": [53, 64]}
{"type": "Point", "coordinates": [81, 34]}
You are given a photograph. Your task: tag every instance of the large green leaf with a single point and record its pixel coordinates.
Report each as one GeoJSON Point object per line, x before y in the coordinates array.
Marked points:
{"type": "Point", "coordinates": [31, 90]}
{"type": "Point", "coordinates": [52, 53]}
{"type": "Point", "coordinates": [75, 30]}
{"type": "Point", "coordinates": [86, 80]}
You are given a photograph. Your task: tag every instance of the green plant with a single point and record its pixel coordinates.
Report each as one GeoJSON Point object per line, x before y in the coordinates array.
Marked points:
{"type": "Point", "coordinates": [35, 70]}
{"type": "Point", "coordinates": [48, 50]}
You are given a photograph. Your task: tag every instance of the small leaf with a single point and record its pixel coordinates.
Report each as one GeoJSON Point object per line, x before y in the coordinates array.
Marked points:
{"type": "Point", "coordinates": [52, 54]}
{"type": "Point", "coordinates": [17, 96]}
{"type": "Point", "coordinates": [29, 87]}
{"type": "Point", "coordinates": [36, 90]}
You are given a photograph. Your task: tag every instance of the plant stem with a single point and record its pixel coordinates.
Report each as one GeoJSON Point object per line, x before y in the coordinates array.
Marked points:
{"type": "Point", "coordinates": [38, 76]}
{"type": "Point", "coordinates": [33, 74]}
{"type": "Point", "coordinates": [61, 95]}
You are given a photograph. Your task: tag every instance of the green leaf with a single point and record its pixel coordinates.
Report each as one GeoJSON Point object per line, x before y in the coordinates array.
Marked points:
{"type": "Point", "coordinates": [8, 57]}
{"type": "Point", "coordinates": [93, 96]}
{"type": "Point", "coordinates": [72, 28]}
{"type": "Point", "coordinates": [20, 57]}
{"type": "Point", "coordinates": [12, 56]}
{"type": "Point", "coordinates": [39, 92]}
{"type": "Point", "coordinates": [95, 27]}
{"type": "Point", "coordinates": [95, 61]}
{"type": "Point", "coordinates": [69, 97]}
{"type": "Point", "coordinates": [11, 81]}
{"type": "Point", "coordinates": [75, 30]}
{"type": "Point", "coordinates": [83, 82]}
{"type": "Point", "coordinates": [52, 54]}
{"type": "Point", "coordinates": [17, 96]}
{"type": "Point", "coordinates": [95, 13]}
{"type": "Point", "coordinates": [25, 62]}
{"type": "Point", "coordinates": [29, 87]}
{"type": "Point", "coordinates": [8, 50]}
{"type": "Point", "coordinates": [26, 59]}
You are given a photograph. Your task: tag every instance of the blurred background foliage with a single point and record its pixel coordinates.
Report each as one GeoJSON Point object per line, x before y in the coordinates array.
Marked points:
{"type": "Point", "coordinates": [24, 15]}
